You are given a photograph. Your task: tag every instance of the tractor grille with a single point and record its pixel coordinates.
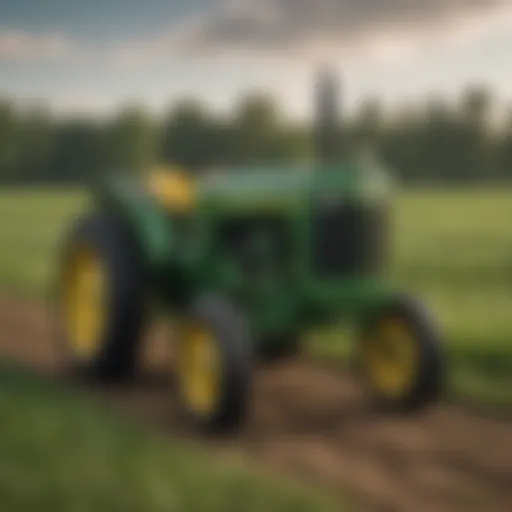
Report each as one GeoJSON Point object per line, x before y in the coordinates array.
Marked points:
{"type": "Point", "coordinates": [348, 239]}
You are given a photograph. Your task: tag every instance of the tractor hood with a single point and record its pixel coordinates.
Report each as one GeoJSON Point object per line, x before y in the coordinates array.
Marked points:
{"type": "Point", "coordinates": [260, 189]}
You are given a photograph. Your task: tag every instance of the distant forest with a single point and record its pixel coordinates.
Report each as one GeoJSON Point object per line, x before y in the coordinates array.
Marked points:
{"type": "Point", "coordinates": [434, 141]}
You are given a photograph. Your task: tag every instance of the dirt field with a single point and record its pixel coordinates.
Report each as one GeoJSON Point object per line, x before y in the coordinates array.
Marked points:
{"type": "Point", "coordinates": [314, 423]}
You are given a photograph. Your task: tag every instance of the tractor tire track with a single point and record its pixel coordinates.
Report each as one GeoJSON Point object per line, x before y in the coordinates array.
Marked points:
{"type": "Point", "coordinates": [314, 424]}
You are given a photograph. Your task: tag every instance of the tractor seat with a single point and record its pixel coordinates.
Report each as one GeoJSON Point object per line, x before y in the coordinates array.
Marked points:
{"type": "Point", "coordinates": [173, 189]}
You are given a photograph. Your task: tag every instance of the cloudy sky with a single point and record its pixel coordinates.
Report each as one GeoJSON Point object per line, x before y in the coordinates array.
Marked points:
{"type": "Point", "coordinates": [91, 56]}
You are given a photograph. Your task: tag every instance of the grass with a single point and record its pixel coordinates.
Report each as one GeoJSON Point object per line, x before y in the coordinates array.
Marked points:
{"type": "Point", "coordinates": [62, 453]}
{"type": "Point", "coordinates": [453, 249]}
{"type": "Point", "coordinates": [31, 225]}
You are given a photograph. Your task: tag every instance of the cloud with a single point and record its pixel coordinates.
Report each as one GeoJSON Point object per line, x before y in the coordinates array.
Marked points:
{"type": "Point", "coordinates": [315, 29]}
{"type": "Point", "coordinates": [21, 45]}
{"type": "Point", "coordinates": [278, 24]}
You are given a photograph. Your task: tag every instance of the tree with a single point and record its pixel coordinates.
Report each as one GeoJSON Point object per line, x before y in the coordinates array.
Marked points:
{"type": "Point", "coordinates": [9, 147]}
{"type": "Point", "coordinates": [261, 136]}
{"type": "Point", "coordinates": [37, 137]}
{"type": "Point", "coordinates": [368, 124]}
{"type": "Point", "coordinates": [189, 136]}
{"type": "Point", "coordinates": [79, 151]}
{"type": "Point", "coordinates": [132, 141]}
{"type": "Point", "coordinates": [504, 149]}
{"type": "Point", "coordinates": [476, 107]}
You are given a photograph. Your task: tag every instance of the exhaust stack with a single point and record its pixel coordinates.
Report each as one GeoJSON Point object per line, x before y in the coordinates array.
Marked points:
{"type": "Point", "coordinates": [327, 122]}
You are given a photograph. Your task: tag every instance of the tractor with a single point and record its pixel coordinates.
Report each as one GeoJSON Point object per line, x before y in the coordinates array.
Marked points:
{"type": "Point", "coordinates": [245, 260]}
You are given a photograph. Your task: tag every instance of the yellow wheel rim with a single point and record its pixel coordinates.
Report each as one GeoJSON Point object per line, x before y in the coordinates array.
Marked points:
{"type": "Point", "coordinates": [391, 357]}
{"type": "Point", "coordinates": [200, 369]}
{"type": "Point", "coordinates": [84, 302]}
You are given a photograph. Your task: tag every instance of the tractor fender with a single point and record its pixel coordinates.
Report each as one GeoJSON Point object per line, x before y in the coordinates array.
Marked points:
{"type": "Point", "coordinates": [143, 217]}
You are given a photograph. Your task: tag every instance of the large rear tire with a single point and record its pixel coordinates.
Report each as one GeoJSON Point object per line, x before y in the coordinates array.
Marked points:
{"type": "Point", "coordinates": [100, 300]}
{"type": "Point", "coordinates": [399, 357]}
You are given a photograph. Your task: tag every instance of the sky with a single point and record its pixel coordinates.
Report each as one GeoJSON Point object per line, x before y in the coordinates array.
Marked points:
{"type": "Point", "coordinates": [92, 56]}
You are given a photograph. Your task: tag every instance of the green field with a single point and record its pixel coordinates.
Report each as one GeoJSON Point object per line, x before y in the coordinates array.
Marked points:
{"type": "Point", "coordinates": [62, 453]}
{"type": "Point", "coordinates": [456, 250]}
{"type": "Point", "coordinates": [453, 248]}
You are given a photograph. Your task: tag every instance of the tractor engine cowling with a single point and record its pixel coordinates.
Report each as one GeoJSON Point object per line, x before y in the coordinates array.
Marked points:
{"type": "Point", "coordinates": [293, 226]}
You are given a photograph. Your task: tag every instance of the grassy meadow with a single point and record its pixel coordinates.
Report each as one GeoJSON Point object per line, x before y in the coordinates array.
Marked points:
{"type": "Point", "coordinates": [453, 248]}
{"type": "Point", "coordinates": [61, 452]}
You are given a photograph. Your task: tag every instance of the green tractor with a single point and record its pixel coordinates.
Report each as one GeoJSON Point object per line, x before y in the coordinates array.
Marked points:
{"type": "Point", "coordinates": [246, 260]}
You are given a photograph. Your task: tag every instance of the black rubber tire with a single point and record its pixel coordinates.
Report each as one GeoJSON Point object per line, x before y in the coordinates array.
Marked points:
{"type": "Point", "coordinates": [274, 351]}
{"type": "Point", "coordinates": [117, 356]}
{"type": "Point", "coordinates": [428, 382]}
{"type": "Point", "coordinates": [236, 358]}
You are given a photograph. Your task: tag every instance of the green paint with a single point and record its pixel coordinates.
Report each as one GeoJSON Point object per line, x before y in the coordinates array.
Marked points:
{"type": "Point", "coordinates": [189, 256]}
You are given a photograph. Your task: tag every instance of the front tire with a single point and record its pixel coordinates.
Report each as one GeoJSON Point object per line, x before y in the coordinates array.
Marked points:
{"type": "Point", "coordinates": [214, 364]}
{"type": "Point", "coordinates": [399, 357]}
{"type": "Point", "coordinates": [100, 296]}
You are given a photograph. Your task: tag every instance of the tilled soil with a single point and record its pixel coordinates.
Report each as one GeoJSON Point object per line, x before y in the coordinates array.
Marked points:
{"type": "Point", "coordinates": [314, 424]}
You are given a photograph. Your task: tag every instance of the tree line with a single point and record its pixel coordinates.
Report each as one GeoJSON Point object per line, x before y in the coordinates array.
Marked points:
{"type": "Point", "coordinates": [432, 141]}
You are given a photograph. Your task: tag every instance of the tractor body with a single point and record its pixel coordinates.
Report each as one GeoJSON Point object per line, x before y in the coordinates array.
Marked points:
{"type": "Point", "coordinates": [292, 247]}
{"type": "Point", "coordinates": [246, 259]}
